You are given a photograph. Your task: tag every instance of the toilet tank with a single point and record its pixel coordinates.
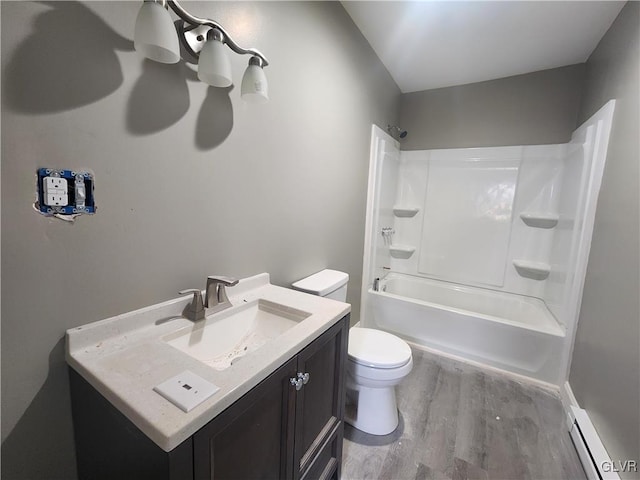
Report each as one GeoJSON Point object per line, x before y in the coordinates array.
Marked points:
{"type": "Point", "coordinates": [327, 283]}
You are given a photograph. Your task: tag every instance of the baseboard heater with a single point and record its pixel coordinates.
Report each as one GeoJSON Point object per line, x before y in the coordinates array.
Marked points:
{"type": "Point", "coordinates": [595, 459]}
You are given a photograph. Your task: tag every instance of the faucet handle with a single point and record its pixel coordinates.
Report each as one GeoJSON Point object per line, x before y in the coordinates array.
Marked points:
{"type": "Point", "coordinates": [227, 281]}
{"type": "Point", "coordinates": [195, 310]}
{"type": "Point", "coordinates": [216, 294]}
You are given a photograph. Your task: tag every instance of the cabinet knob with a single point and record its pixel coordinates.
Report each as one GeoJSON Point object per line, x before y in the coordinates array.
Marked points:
{"type": "Point", "coordinates": [296, 382]}
{"type": "Point", "coordinates": [304, 377]}
{"type": "Point", "coordinates": [300, 380]}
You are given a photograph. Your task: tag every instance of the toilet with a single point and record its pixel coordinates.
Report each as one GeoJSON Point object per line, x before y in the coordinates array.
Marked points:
{"type": "Point", "coordinates": [377, 362]}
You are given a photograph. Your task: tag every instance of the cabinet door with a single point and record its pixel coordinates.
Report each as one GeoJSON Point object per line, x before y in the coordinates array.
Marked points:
{"type": "Point", "coordinates": [253, 438]}
{"type": "Point", "coordinates": [320, 403]}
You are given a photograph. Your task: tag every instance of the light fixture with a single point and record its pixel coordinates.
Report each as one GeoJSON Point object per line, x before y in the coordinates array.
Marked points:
{"type": "Point", "coordinates": [214, 66]}
{"type": "Point", "coordinates": [155, 38]}
{"type": "Point", "coordinates": [254, 82]}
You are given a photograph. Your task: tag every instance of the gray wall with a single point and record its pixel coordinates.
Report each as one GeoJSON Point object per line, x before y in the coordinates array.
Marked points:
{"type": "Point", "coordinates": [531, 109]}
{"type": "Point", "coordinates": [606, 357]}
{"type": "Point", "coordinates": [190, 181]}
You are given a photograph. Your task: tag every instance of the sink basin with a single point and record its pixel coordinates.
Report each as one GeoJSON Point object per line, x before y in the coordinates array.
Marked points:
{"type": "Point", "coordinates": [221, 339]}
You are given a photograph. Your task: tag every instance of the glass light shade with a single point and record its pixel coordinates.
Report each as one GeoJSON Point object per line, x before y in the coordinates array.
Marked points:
{"type": "Point", "coordinates": [255, 88]}
{"type": "Point", "coordinates": [155, 36]}
{"type": "Point", "coordinates": [214, 67]}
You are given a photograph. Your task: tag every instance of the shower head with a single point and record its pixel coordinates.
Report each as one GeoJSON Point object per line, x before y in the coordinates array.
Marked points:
{"type": "Point", "coordinates": [396, 132]}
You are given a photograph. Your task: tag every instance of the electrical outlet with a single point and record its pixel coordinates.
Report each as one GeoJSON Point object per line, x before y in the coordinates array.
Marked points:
{"type": "Point", "coordinates": [55, 183]}
{"type": "Point", "coordinates": [56, 199]}
{"type": "Point", "coordinates": [64, 193]}
{"type": "Point", "coordinates": [55, 191]}
{"type": "Point", "coordinates": [186, 390]}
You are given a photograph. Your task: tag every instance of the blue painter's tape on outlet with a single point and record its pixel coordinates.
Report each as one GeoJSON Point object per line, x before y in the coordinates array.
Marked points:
{"type": "Point", "coordinates": [70, 195]}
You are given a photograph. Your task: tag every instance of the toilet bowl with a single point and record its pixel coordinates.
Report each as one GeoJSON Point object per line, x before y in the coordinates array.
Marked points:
{"type": "Point", "coordinates": [376, 363]}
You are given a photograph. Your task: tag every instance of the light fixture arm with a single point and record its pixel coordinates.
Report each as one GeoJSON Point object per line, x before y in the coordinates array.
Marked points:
{"type": "Point", "coordinates": [195, 22]}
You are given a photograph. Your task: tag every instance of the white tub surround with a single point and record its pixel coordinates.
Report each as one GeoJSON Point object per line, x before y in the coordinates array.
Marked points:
{"type": "Point", "coordinates": [126, 356]}
{"type": "Point", "coordinates": [514, 221]}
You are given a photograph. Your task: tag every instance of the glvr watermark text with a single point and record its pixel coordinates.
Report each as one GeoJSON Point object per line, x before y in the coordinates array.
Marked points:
{"type": "Point", "coordinates": [622, 466]}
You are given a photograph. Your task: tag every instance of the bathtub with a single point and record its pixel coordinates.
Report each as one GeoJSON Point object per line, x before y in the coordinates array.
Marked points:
{"type": "Point", "coordinates": [507, 331]}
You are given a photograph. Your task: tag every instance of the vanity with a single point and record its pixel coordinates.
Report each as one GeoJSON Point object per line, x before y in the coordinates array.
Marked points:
{"type": "Point", "coordinates": [279, 372]}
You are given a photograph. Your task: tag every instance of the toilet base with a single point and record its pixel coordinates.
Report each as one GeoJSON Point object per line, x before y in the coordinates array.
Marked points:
{"type": "Point", "coordinates": [373, 410]}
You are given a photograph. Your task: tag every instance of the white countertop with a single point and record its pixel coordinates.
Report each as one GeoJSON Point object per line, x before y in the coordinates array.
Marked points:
{"type": "Point", "coordinates": [124, 357]}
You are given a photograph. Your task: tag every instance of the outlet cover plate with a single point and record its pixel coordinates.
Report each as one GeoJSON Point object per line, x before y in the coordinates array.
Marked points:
{"type": "Point", "coordinates": [186, 390]}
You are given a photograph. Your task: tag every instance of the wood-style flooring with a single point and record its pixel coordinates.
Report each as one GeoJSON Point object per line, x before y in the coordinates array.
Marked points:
{"type": "Point", "coordinates": [458, 421]}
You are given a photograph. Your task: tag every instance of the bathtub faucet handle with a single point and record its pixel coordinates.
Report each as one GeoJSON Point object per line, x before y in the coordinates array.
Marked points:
{"type": "Point", "coordinates": [387, 235]}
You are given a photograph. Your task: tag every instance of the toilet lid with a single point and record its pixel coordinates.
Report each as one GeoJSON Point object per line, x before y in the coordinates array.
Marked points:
{"type": "Point", "coordinates": [375, 348]}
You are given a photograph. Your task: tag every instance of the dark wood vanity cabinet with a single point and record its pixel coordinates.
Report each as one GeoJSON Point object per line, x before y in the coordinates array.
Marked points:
{"type": "Point", "coordinates": [275, 431]}
{"type": "Point", "coordinates": [254, 437]}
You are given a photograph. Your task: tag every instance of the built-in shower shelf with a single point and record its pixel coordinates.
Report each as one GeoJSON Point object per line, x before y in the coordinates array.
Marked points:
{"type": "Point", "coordinates": [405, 211]}
{"type": "Point", "coordinates": [401, 251]}
{"type": "Point", "coordinates": [532, 270]}
{"type": "Point", "coordinates": [540, 219]}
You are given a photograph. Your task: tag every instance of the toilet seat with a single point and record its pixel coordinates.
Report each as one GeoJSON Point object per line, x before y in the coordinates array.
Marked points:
{"type": "Point", "coordinates": [377, 349]}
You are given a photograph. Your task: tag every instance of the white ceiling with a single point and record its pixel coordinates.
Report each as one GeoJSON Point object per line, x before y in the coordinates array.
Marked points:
{"type": "Point", "coordinates": [433, 44]}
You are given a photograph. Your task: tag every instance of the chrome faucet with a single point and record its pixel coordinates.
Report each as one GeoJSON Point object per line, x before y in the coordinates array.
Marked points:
{"type": "Point", "coordinates": [216, 294]}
